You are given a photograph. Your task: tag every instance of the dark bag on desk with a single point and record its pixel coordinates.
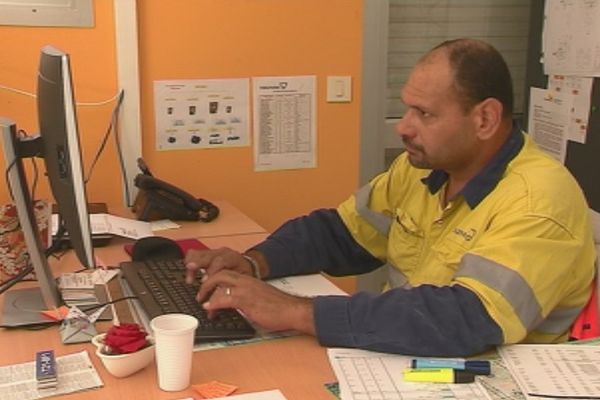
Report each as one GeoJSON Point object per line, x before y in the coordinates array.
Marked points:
{"type": "Point", "coordinates": [157, 199]}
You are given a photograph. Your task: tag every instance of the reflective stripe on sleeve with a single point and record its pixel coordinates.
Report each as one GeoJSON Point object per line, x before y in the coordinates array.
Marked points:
{"type": "Point", "coordinates": [396, 278]}
{"type": "Point", "coordinates": [506, 281]}
{"type": "Point", "coordinates": [379, 221]}
{"type": "Point", "coordinates": [518, 293]}
{"type": "Point", "coordinates": [559, 320]}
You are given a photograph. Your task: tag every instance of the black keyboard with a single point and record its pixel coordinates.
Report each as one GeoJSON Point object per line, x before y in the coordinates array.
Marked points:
{"type": "Point", "coordinates": [161, 289]}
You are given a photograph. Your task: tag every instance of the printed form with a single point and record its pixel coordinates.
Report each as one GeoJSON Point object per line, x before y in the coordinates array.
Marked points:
{"type": "Point", "coordinates": [284, 123]}
{"type": "Point", "coordinates": [555, 371]}
{"type": "Point", "coordinates": [367, 375]}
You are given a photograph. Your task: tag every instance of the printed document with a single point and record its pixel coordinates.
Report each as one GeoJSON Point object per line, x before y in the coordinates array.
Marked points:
{"type": "Point", "coordinates": [365, 374]}
{"type": "Point", "coordinates": [75, 373]}
{"type": "Point", "coordinates": [111, 224]}
{"type": "Point", "coordinates": [549, 120]}
{"type": "Point", "coordinates": [285, 133]}
{"type": "Point", "coordinates": [554, 370]}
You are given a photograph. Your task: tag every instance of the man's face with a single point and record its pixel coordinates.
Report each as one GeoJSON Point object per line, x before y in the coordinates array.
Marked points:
{"type": "Point", "coordinates": [436, 131]}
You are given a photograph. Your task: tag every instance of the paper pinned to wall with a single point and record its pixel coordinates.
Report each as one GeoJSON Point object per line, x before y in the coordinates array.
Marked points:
{"type": "Point", "coordinates": [201, 113]}
{"type": "Point", "coordinates": [581, 90]}
{"type": "Point", "coordinates": [549, 120]}
{"type": "Point", "coordinates": [571, 38]}
{"type": "Point", "coordinates": [284, 122]}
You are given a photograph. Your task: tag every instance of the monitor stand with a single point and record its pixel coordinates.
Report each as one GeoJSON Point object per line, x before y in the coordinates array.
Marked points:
{"type": "Point", "coordinates": [22, 308]}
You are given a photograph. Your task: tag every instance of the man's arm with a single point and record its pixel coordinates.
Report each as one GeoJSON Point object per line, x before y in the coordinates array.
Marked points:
{"type": "Point", "coordinates": [427, 320]}
{"type": "Point", "coordinates": [448, 321]}
{"type": "Point", "coordinates": [316, 242]}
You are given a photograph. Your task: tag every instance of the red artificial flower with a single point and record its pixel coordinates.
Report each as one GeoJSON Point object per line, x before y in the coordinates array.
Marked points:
{"type": "Point", "coordinates": [125, 338]}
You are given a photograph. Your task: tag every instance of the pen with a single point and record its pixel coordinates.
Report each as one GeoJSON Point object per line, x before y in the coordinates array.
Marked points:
{"type": "Point", "coordinates": [477, 367]}
{"type": "Point", "coordinates": [440, 375]}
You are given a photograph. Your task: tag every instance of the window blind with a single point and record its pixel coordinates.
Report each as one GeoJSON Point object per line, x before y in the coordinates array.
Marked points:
{"type": "Point", "coordinates": [415, 26]}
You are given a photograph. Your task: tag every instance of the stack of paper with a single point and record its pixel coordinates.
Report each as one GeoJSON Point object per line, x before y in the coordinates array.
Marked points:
{"type": "Point", "coordinates": [555, 371]}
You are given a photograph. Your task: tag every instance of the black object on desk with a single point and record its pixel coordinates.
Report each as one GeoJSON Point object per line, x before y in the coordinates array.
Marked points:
{"type": "Point", "coordinates": [161, 289]}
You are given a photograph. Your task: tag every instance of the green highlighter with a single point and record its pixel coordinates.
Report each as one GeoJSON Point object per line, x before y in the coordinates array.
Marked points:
{"type": "Point", "coordinates": [440, 375]}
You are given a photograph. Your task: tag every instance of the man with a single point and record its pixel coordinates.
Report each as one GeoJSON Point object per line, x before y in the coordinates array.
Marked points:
{"type": "Point", "coordinates": [486, 238]}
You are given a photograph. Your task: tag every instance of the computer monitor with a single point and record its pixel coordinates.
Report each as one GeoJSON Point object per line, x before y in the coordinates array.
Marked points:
{"type": "Point", "coordinates": [58, 144]}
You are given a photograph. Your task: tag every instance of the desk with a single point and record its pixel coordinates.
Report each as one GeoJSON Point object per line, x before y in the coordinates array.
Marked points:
{"type": "Point", "coordinates": [230, 221]}
{"type": "Point", "coordinates": [297, 366]}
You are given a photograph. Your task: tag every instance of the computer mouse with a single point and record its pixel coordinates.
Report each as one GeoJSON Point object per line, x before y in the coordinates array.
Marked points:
{"type": "Point", "coordinates": [155, 248]}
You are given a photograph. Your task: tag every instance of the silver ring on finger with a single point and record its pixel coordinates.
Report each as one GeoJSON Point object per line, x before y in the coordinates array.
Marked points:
{"type": "Point", "coordinates": [228, 291]}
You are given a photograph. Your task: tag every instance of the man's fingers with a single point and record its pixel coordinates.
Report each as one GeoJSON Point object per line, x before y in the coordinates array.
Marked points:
{"type": "Point", "coordinates": [190, 273]}
{"type": "Point", "coordinates": [222, 279]}
{"type": "Point", "coordinates": [215, 265]}
{"type": "Point", "coordinates": [222, 297]}
{"type": "Point", "coordinates": [197, 260]}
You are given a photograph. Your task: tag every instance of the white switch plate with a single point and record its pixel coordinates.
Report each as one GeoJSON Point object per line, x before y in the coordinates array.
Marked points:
{"type": "Point", "coordinates": [339, 89]}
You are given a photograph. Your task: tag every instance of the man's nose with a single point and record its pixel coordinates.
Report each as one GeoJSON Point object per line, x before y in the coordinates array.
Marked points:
{"type": "Point", "coordinates": [404, 127]}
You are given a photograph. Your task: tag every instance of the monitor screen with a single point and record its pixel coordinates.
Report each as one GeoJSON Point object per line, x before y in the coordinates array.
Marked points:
{"type": "Point", "coordinates": [58, 144]}
{"type": "Point", "coordinates": [62, 156]}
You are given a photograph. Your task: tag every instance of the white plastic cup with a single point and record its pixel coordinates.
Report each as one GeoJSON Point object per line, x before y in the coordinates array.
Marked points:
{"type": "Point", "coordinates": [174, 336]}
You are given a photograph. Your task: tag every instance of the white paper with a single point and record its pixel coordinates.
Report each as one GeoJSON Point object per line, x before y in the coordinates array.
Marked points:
{"type": "Point", "coordinates": [201, 113]}
{"type": "Point", "coordinates": [307, 285]}
{"type": "Point", "coordinates": [126, 227]}
{"type": "Point", "coordinates": [85, 280]}
{"type": "Point", "coordinates": [365, 374]}
{"type": "Point", "coordinates": [284, 122]}
{"type": "Point", "coordinates": [75, 373]}
{"type": "Point", "coordinates": [111, 224]}
{"type": "Point", "coordinates": [580, 89]}
{"type": "Point", "coordinates": [266, 395]}
{"type": "Point", "coordinates": [571, 38]}
{"type": "Point", "coordinates": [554, 370]}
{"type": "Point", "coordinates": [163, 224]}
{"type": "Point", "coordinates": [549, 121]}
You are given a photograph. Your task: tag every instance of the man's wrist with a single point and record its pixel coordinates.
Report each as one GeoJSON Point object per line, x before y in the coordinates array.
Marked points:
{"type": "Point", "coordinates": [253, 265]}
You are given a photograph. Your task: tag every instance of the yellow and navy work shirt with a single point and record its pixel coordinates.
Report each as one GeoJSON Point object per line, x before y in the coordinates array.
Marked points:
{"type": "Point", "coordinates": [509, 259]}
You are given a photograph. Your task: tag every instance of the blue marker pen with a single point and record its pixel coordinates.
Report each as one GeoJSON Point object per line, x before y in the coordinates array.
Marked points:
{"type": "Point", "coordinates": [478, 367]}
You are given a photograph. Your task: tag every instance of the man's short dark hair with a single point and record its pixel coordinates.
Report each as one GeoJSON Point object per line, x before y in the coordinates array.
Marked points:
{"type": "Point", "coordinates": [480, 72]}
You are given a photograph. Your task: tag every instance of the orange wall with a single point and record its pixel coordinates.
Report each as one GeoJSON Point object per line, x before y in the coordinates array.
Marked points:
{"type": "Point", "coordinates": [92, 52]}
{"type": "Point", "coordinates": [201, 39]}
{"type": "Point", "coordinates": [206, 39]}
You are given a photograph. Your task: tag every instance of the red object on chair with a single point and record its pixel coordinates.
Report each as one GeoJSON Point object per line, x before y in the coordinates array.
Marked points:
{"type": "Point", "coordinates": [586, 325]}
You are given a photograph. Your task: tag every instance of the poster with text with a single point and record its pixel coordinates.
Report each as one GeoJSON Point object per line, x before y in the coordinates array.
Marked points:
{"type": "Point", "coordinates": [203, 113]}
{"type": "Point", "coordinates": [284, 122]}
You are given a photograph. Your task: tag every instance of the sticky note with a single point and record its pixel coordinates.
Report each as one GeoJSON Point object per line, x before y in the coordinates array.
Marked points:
{"type": "Point", "coordinates": [57, 314]}
{"type": "Point", "coordinates": [212, 389]}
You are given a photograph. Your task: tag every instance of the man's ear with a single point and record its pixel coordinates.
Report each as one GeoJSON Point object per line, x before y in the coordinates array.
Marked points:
{"type": "Point", "coordinates": [488, 116]}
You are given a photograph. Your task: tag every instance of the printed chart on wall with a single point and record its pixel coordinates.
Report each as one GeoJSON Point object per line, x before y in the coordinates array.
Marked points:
{"type": "Point", "coordinates": [284, 123]}
{"type": "Point", "coordinates": [207, 113]}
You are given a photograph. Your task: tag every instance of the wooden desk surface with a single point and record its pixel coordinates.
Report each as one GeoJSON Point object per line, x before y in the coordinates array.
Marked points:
{"type": "Point", "coordinates": [298, 366]}
{"type": "Point", "coordinates": [230, 221]}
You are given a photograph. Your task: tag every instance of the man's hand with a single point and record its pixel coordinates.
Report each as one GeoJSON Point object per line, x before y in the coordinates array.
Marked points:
{"type": "Point", "coordinates": [213, 261]}
{"type": "Point", "coordinates": [258, 301]}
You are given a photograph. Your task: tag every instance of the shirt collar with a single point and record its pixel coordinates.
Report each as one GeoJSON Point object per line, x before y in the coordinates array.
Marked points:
{"type": "Point", "coordinates": [483, 183]}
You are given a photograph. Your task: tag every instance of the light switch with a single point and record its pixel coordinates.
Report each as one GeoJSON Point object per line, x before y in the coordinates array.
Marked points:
{"type": "Point", "coordinates": [339, 89]}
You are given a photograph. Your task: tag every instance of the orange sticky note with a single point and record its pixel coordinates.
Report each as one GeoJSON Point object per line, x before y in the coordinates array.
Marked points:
{"type": "Point", "coordinates": [57, 314]}
{"type": "Point", "coordinates": [210, 390]}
